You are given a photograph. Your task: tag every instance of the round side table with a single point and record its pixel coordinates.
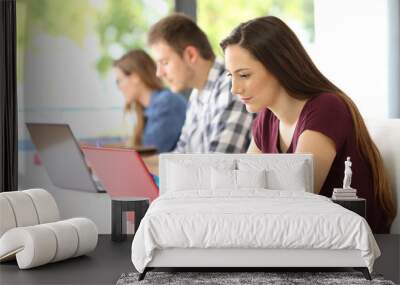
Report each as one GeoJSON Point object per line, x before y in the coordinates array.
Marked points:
{"type": "Point", "coordinates": [120, 205]}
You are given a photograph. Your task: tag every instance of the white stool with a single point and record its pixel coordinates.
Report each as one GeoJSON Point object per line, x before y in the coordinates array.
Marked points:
{"type": "Point", "coordinates": [31, 231]}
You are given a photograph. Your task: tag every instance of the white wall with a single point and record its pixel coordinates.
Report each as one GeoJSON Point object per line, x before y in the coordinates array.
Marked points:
{"type": "Point", "coordinates": [394, 58]}
{"type": "Point", "coordinates": [61, 85]}
{"type": "Point", "coordinates": [352, 48]}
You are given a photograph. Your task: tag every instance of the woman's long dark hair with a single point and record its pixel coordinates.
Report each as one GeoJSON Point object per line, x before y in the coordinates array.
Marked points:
{"type": "Point", "coordinates": [139, 62]}
{"type": "Point", "coordinates": [276, 46]}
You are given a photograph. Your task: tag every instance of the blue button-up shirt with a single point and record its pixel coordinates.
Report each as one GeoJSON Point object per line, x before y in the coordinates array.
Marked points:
{"type": "Point", "coordinates": [165, 117]}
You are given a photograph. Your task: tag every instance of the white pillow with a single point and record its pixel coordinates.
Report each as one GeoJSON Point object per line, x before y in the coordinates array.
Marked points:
{"type": "Point", "coordinates": [182, 177]}
{"type": "Point", "coordinates": [227, 179]}
{"type": "Point", "coordinates": [281, 174]}
{"type": "Point", "coordinates": [251, 178]}
{"type": "Point", "coordinates": [294, 179]}
{"type": "Point", "coordinates": [223, 179]}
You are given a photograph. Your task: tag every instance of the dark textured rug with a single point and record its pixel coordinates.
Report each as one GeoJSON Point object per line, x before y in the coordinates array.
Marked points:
{"type": "Point", "coordinates": [229, 278]}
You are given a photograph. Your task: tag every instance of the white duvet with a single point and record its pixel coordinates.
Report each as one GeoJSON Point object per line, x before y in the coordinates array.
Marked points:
{"type": "Point", "coordinates": [250, 219]}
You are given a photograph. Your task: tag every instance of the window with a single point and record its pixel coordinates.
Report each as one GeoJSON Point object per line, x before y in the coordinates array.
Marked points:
{"type": "Point", "coordinates": [218, 18]}
{"type": "Point", "coordinates": [351, 48]}
{"type": "Point", "coordinates": [348, 40]}
{"type": "Point", "coordinates": [64, 53]}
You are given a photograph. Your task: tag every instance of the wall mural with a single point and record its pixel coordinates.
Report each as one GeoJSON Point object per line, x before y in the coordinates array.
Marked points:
{"type": "Point", "coordinates": [65, 54]}
{"type": "Point", "coordinates": [65, 51]}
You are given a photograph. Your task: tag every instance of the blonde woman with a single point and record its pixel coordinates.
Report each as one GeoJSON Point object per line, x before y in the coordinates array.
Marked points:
{"type": "Point", "coordinates": [160, 114]}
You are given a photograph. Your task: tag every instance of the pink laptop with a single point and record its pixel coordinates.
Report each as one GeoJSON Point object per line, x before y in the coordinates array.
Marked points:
{"type": "Point", "coordinates": [121, 171]}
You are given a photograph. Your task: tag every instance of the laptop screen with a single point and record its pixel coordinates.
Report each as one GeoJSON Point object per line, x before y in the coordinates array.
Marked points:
{"type": "Point", "coordinates": [122, 172]}
{"type": "Point", "coordinates": [61, 156]}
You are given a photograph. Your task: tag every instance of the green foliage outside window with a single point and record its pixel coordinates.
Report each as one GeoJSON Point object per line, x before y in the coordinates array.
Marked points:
{"type": "Point", "coordinates": [120, 25]}
{"type": "Point", "coordinates": [123, 25]}
{"type": "Point", "coordinates": [56, 18]}
{"type": "Point", "coordinates": [218, 18]}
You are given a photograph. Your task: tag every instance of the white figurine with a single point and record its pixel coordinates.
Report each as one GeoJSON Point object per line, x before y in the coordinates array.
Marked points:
{"type": "Point", "coordinates": [347, 174]}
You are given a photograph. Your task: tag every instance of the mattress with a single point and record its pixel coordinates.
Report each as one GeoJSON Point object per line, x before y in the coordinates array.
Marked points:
{"type": "Point", "coordinates": [250, 219]}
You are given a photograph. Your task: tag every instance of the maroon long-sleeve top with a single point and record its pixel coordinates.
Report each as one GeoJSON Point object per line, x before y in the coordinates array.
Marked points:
{"type": "Point", "coordinates": [328, 114]}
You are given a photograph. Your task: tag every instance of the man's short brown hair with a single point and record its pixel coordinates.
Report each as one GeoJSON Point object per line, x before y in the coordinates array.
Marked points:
{"type": "Point", "coordinates": [179, 31]}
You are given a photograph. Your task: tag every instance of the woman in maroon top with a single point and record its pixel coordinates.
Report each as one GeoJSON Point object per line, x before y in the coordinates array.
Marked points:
{"type": "Point", "coordinates": [301, 111]}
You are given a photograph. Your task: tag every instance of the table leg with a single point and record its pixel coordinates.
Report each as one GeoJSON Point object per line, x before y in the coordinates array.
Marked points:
{"type": "Point", "coordinates": [140, 211]}
{"type": "Point", "coordinates": [117, 221]}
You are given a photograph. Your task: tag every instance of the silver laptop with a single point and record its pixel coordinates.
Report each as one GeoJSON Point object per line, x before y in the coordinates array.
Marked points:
{"type": "Point", "coordinates": [62, 157]}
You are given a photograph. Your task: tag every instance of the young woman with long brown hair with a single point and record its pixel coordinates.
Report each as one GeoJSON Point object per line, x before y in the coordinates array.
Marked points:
{"type": "Point", "coordinates": [300, 110]}
{"type": "Point", "coordinates": [160, 114]}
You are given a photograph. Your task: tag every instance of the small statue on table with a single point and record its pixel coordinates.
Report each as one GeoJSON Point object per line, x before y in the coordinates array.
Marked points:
{"type": "Point", "coordinates": [347, 174]}
{"type": "Point", "coordinates": [347, 192]}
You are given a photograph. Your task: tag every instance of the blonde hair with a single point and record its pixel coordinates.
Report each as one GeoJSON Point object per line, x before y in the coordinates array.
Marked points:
{"type": "Point", "coordinates": [139, 62]}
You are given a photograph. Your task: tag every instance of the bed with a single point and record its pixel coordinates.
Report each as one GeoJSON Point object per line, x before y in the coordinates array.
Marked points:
{"type": "Point", "coordinates": [241, 210]}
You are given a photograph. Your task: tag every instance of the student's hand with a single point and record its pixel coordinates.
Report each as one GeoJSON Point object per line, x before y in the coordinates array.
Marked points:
{"type": "Point", "coordinates": [253, 147]}
{"type": "Point", "coordinates": [151, 162]}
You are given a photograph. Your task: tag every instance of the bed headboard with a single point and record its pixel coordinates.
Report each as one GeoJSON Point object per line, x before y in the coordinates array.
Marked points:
{"type": "Point", "coordinates": [386, 135]}
{"type": "Point", "coordinates": [270, 160]}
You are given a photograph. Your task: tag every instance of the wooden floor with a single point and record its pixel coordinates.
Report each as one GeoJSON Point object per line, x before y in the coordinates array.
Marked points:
{"type": "Point", "coordinates": [111, 259]}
